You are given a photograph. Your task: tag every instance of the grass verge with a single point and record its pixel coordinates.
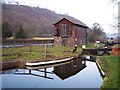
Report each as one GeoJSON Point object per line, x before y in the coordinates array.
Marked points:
{"type": "Point", "coordinates": [38, 53]}
{"type": "Point", "coordinates": [109, 65]}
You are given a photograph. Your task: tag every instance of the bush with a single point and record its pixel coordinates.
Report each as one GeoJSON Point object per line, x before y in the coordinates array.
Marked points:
{"type": "Point", "coordinates": [116, 50]}
{"type": "Point", "coordinates": [116, 46]}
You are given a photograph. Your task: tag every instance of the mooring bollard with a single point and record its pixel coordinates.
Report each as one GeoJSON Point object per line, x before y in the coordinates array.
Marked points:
{"type": "Point", "coordinates": [75, 49]}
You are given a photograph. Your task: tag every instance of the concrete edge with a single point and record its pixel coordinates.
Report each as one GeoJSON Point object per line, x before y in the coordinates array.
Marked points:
{"type": "Point", "coordinates": [100, 69]}
{"type": "Point", "coordinates": [47, 62]}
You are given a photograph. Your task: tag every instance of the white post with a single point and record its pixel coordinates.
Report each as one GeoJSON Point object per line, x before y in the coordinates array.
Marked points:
{"type": "Point", "coordinates": [83, 46]}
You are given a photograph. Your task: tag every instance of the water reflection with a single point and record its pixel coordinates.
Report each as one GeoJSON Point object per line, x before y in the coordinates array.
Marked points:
{"type": "Point", "coordinates": [69, 69]}
{"type": "Point", "coordinates": [30, 73]}
{"type": "Point", "coordinates": [63, 70]}
{"type": "Point", "coordinates": [12, 71]}
{"type": "Point", "coordinates": [73, 74]}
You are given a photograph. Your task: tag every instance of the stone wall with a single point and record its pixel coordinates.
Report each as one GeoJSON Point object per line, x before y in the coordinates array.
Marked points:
{"type": "Point", "coordinates": [12, 64]}
{"type": "Point", "coordinates": [58, 41]}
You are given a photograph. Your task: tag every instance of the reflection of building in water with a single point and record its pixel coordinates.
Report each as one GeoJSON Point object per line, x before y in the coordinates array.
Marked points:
{"type": "Point", "coordinates": [69, 69]}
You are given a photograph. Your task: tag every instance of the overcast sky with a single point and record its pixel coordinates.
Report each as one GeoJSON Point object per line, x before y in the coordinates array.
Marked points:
{"type": "Point", "coordinates": [87, 11]}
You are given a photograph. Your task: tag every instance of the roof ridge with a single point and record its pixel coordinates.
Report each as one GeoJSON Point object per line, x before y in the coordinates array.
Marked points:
{"type": "Point", "coordinates": [73, 20]}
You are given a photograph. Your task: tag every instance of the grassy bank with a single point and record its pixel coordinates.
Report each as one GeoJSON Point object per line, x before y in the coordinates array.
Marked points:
{"type": "Point", "coordinates": [38, 53]}
{"type": "Point", "coordinates": [92, 45]}
{"type": "Point", "coordinates": [109, 64]}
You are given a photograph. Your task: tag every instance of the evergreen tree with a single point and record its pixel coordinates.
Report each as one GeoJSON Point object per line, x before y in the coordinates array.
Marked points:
{"type": "Point", "coordinates": [6, 30]}
{"type": "Point", "coordinates": [20, 33]}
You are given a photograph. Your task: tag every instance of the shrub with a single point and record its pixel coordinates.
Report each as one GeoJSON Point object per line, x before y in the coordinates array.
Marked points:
{"type": "Point", "coordinates": [116, 50]}
{"type": "Point", "coordinates": [116, 46]}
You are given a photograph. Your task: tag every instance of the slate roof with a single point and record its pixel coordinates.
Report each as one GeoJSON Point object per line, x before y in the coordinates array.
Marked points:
{"type": "Point", "coordinates": [73, 20]}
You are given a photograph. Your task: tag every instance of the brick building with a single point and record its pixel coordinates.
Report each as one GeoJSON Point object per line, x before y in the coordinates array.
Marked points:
{"type": "Point", "coordinates": [69, 32]}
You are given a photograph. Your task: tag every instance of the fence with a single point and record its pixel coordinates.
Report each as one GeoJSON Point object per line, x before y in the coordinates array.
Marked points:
{"type": "Point", "coordinates": [23, 42]}
{"type": "Point", "coordinates": [14, 49]}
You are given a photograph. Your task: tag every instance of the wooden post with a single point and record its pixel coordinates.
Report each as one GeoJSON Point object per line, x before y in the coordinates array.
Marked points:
{"type": "Point", "coordinates": [14, 43]}
{"type": "Point", "coordinates": [23, 43]}
{"type": "Point", "coordinates": [45, 54]}
{"type": "Point", "coordinates": [30, 47]}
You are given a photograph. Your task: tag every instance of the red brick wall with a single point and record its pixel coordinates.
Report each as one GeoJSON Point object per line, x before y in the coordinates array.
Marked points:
{"type": "Point", "coordinates": [78, 35]}
{"type": "Point", "coordinates": [81, 35]}
{"type": "Point", "coordinates": [58, 25]}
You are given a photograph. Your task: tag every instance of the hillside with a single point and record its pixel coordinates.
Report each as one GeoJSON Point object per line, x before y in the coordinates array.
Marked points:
{"type": "Point", "coordinates": [36, 21]}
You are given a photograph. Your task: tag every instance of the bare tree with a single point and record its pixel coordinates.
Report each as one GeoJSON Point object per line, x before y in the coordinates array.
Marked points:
{"type": "Point", "coordinates": [96, 33]}
{"type": "Point", "coordinates": [17, 3]}
{"type": "Point", "coordinates": [115, 1]}
{"type": "Point", "coordinates": [117, 18]}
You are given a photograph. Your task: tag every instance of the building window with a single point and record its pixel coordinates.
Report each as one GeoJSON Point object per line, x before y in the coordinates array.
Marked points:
{"type": "Point", "coordinates": [70, 33]}
{"type": "Point", "coordinates": [67, 29]}
{"type": "Point", "coordinates": [64, 29]}
{"type": "Point", "coordinates": [56, 32]}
